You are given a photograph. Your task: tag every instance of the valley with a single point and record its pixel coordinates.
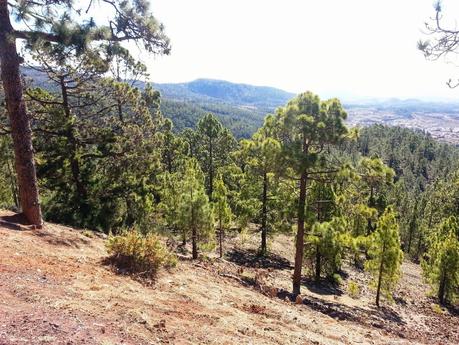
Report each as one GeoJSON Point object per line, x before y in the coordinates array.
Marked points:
{"type": "Point", "coordinates": [243, 107]}
{"type": "Point", "coordinates": [442, 126]}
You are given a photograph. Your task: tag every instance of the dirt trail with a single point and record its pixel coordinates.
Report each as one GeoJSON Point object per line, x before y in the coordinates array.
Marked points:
{"type": "Point", "coordinates": [54, 289]}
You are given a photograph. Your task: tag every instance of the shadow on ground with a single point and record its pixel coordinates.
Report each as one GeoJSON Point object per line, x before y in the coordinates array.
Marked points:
{"type": "Point", "coordinates": [58, 240]}
{"type": "Point", "coordinates": [383, 318]}
{"type": "Point", "coordinates": [14, 222]}
{"type": "Point", "coordinates": [251, 258]}
{"type": "Point", "coordinates": [322, 287]}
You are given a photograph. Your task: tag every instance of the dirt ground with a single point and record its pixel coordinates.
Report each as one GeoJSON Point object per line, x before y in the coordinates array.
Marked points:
{"type": "Point", "coordinates": [56, 289]}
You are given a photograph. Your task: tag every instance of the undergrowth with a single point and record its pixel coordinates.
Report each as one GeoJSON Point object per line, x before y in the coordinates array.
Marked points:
{"type": "Point", "coordinates": [142, 255]}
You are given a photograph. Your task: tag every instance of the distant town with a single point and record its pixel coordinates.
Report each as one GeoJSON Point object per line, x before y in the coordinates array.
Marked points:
{"type": "Point", "coordinates": [442, 125]}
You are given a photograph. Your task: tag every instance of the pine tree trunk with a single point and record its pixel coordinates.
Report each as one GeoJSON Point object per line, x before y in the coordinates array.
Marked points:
{"type": "Point", "coordinates": [381, 268]}
{"type": "Point", "coordinates": [264, 216]}
{"type": "Point", "coordinates": [194, 243]}
{"type": "Point", "coordinates": [442, 288]}
{"type": "Point", "coordinates": [73, 154]}
{"type": "Point", "coordinates": [418, 250]}
{"type": "Point", "coordinates": [14, 191]}
{"type": "Point", "coordinates": [120, 110]}
{"type": "Point", "coordinates": [370, 204]}
{"type": "Point", "coordinates": [299, 244]}
{"type": "Point", "coordinates": [194, 232]}
{"type": "Point", "coordinates": [410, 237]}
{"type": "Point", "coordinates": [19, 121]}
{"type": "Point", "coordinates": [221, 238]}
{"type": "Point", "coordinates": [318, 268]}
{"type": "Point", "coordinates": [211, 170]}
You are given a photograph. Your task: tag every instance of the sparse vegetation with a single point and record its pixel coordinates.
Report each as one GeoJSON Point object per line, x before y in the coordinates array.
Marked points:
{"type": "Point", "coordinates": [353, 289]}
{"type": "Point", "coordinates": [240, 200]}
{"type": "Point", "coordinates": [139, 254]}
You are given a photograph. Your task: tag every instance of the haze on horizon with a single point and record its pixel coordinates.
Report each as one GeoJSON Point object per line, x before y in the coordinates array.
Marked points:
{"type": "Point", "coordinates": [349, 49]}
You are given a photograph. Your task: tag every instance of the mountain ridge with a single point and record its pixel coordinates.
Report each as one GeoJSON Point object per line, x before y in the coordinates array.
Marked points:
{"type": "Point", "coordinates": [229, 92]}
{"type": "Point", "coordinates": [243, 107]}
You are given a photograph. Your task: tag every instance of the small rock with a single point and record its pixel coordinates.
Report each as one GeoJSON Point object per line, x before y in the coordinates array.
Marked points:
{"type": "Point", "coordinates": [161, 324]}
{"type": "Point", "coordinates": [272, 292]}
{"type": "Point", "coordinates": [298, 299]}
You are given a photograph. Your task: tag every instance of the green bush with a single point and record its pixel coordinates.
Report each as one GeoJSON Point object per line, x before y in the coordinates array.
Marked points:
{"type": "Point", "coordinates": [353, 289]}
{"type": "Point", "coordinates": [136, 253]}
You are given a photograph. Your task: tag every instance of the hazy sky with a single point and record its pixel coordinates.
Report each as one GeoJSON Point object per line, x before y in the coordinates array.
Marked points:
{"type": "Point", "coordinates": [345, 48]}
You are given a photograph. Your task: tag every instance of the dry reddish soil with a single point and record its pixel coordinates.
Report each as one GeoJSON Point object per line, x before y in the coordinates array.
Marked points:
{"type": "Point", "coordinates": [56, 289]}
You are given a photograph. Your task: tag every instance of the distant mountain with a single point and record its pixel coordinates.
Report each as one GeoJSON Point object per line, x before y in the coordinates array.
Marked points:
{"type": "Point", "coordinates": [241, 95]}
{"type": "Point", "coordinates": [241, 107]}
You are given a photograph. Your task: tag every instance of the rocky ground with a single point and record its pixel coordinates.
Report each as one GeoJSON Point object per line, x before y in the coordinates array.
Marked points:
{"type": "Point", "coordinates": [56, 289]}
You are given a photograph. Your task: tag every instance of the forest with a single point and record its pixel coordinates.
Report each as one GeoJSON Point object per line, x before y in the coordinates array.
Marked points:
{"type": "Point", "coordinates": [106, 158]}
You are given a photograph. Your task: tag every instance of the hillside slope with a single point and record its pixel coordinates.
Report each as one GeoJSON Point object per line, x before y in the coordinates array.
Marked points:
{"type": "Point", "coordinates": [211, 90]}
{"type": "Point", "coordinates": [241, 107]}
{"type": "Point", "coordinates": [55, 289]}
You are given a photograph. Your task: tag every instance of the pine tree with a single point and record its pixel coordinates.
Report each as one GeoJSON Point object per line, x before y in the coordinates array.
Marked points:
{"type": "Point", "coordinates": [323, 247]}
{"type": "Point", "coordinates": [8, 185]}
{"type": "Point", "coordinates": [222, 211]}
{"type": "Point", "coordinates": [186, 206]}
{"type": "Point", "coordinates": [441, 263]}
{"type": "Point", "coordinates": [261, 156]}
{"type": "Point", "coordinates": [174, 148]}
{"type": "Point", "coordinates": [97, 165]}
{"type": "Point", "coordinates": [215, 143]}
{"type": "Point", "coordinates": [306, 127]}
{"type": "Point", "coordinates": [385, 255]}
{"type": "Point", "coordinates": [60, 23]}
{"type": "Point", "coordinates": [195, 207]}
{"type": "Point", "coordinates": [375, 175]}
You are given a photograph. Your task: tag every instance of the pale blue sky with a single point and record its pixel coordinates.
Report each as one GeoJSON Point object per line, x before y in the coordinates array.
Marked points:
{"type": "Point", "coordinates": [340, 48]}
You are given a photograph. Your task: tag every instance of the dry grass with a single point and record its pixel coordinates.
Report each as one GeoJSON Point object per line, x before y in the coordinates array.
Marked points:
{"type": "Point", "coordinates": [54, 290]}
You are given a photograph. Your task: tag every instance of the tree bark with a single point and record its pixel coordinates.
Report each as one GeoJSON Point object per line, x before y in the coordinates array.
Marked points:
{"type": "Point", "coordinates": [211, 169]}
{"type": "Point", "coordinates": [370, 204]}
{"type": "Point", "coordinates": [221, 237]}
{"type": "Point", "coordinates": [264, 216]}
{"type": "Point", "coordinates": [410, 237]}
{"type": "Point", "coordinates": [194, 232]}
{"type": "Point", "coordinates": [14, 190]}
{"type": "Point", "coordinates": [194, 243]}
{"type": "Point", "coordinates": [299, 244]}
{"type": "Point", "coordinates": [20, 125]}
{"type": "Point", "coordinates": [73, 155]}
{"type": "Point", "coordinates": [318, 262]}
{"type": "Point", "coordinates": [442, 288]}
{"type": "Point", "coordinates": [381, 269]}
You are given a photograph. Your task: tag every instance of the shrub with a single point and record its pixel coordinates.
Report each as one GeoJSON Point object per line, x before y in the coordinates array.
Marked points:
{"type": "Point", "coordinates": [353, 289]}
{"type": "Point", "coordinates": [139, 254]}
{"type": "Point", "coordinates": [335, 278]}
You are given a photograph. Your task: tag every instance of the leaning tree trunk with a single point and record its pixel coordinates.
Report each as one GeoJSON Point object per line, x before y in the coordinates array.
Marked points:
{"type": "Point", "coordinates": [19, 121]}
{"type": "Point", "coordinates": [299, 252]}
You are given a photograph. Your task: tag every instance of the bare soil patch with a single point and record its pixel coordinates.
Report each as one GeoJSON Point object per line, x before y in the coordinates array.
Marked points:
{"type": "Point", "coordinates": [54, 289]}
